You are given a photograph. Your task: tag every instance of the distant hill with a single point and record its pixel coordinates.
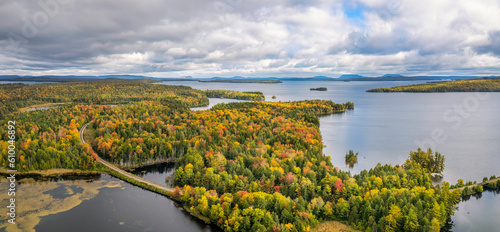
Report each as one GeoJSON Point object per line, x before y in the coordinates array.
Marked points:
{"type": "Point", "coordinates": [73, 78]}
{"type": "Point", "coordinates": [123, 77]}
{"type": "Point", "coordinates": [392, 75]}
{"type": "Point", "coordinates": [9, 77]}
{"type": "Point", "coordinates": [321, 77]}
{"type": "Point", "coordinates": [350, 76]}
{"type": "Point", "coordinates": [397, 78]}
{"type": "Point", "coordinates": [47, 78]}
{"type": "Point", "coordinates": [255, 80]}
{"type": "Point", "coordinates": [240, 79]}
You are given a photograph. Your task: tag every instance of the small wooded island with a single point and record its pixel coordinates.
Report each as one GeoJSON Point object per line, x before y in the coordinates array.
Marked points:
{"type": "Point", "coordinates": [487, 84]}
{"type": "Point", "coordinates": [319, 89]}
{"type": "Point", "coordinates": [351, 158]}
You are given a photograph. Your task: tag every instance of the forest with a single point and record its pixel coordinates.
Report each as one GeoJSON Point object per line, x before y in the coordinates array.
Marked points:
{"type": "Point", "coordinates": [254, 96]}
{"type": "Point", "coordinates": [275, 176]}
{"type": "Point", "coordinates": [48, 139]}
{"type": "Point", "coordinates": [475, 85]}
{"type": "Point", "coordinates": [110, 91]}
{"type": "Point", "coordinates": [241, 166]}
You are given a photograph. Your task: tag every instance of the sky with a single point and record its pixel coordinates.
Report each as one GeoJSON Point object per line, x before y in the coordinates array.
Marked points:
{"type": "Point", "coordinates": [258, 38]}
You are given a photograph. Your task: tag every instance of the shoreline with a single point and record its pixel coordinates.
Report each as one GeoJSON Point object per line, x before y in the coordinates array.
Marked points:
{"type": "Point", "coordinates": [43, 105]}
{"type": "Point", "coordinates": [61, 172]}
{"type": "Point", "coordinates": [52, 173]}
{"type": "Point", "coordinates": [132, 167]}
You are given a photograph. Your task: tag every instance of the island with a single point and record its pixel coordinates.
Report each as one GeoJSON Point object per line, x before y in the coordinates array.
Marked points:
{"type": "Point", "coordinates": [486, 84]}
{"type": "Point", "coordinates": [243, 81]}
{"type": "Point", "coordinates": [319, 89]}
{"type": "Point", "coordinates": [351, 158]}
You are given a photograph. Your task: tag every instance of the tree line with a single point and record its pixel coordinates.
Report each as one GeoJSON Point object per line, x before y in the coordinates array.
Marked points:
{"type": "Point", "coordinates": [475, 85]}
{"type": "Point", "coordinates": [245, 95]}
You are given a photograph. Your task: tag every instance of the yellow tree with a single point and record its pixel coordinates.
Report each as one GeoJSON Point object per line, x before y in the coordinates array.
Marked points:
{"type": "Point", "coordinates": [393, 218]}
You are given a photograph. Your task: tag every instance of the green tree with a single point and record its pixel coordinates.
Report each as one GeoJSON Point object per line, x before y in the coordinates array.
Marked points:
{"type": "Point", "coordinates": [411, 221]}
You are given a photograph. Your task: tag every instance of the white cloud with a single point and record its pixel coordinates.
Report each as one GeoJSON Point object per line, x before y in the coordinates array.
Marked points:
{"type": "Point", "coordinates": [258, 38]}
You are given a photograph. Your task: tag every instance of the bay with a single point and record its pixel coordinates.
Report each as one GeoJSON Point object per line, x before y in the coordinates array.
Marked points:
{"type": "Point", "coordinates": [478, 213]}
{"type": "Point", "coordinates": [101, 203]}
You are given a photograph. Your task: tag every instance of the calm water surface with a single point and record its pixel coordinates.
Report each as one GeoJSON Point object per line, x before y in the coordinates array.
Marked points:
{"type": "Point", "coordinates": [157, 173]}
{"type": "Point", "coordinates": [215, 101]}
{"type": "Point", "coordinates": [478, 213]}
{"type": "Point", "coordinates": [126, 208]}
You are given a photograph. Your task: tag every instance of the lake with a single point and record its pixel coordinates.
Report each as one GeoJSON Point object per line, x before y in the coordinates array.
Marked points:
{"type": "Point", "coordinates": [105, 204]}
{"type": "Point", "coordinates": [478, 213]}
{"type": "Point", "coordinates": [383, 128]}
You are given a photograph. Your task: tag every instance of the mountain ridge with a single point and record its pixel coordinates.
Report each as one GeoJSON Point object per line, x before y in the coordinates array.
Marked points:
{"type": "Point", "coordinates": [344, 77]}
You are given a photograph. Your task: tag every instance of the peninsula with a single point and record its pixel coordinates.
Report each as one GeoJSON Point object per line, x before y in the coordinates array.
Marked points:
{"type": "Point", "coordinates": [486, 84]}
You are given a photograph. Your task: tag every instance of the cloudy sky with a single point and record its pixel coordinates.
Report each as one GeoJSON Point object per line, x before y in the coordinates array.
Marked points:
{"type": "Point", "coordinates": [258, 38]}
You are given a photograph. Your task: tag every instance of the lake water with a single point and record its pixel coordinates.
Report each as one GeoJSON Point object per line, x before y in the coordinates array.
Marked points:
{"type": "Point", "coordinates": [157, 173]}
{"type": "Point", "coordinates": [215, 101]}
{"type": "Point", "coordinates": [43, 108]}
{"type": "Point", "coordinates": [478, 213]}
{"type": "Point", "coordinates": [383, 127]}
{"type": "Point", "coordinates": [105, 204]}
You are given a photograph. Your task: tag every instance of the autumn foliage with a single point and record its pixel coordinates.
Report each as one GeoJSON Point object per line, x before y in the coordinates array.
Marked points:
{"type": "Point", "coordinates": [251, 166]}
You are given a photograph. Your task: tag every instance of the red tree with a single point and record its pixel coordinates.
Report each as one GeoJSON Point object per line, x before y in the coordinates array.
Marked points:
{"type": "Point", "coordinates": [338, 185]}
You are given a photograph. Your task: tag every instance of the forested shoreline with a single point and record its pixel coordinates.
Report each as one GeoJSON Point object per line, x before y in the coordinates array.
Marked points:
{"type": "Point", "coordinates": [255, 96]}
{"type": "Point", "coordinates": [110, 91]}
{"type": "Point", "coordinates": [475, 85]}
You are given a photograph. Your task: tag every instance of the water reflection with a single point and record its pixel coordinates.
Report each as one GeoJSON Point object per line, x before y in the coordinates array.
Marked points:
{"type": "Point", "coordinates": [96, 203]}
{"type": "Point", "coordinates": [36, 199]}
{"type": "Point", "coordinates": [127, 208]}
{"type": "Point", "coordinates": [215, 101]}
{"type": "Point", "coordinates": [477, 213]}
{"type": "Point", "coordinates": [162, 173]}
{"type": "Point", "coordinates": [43, 108]}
